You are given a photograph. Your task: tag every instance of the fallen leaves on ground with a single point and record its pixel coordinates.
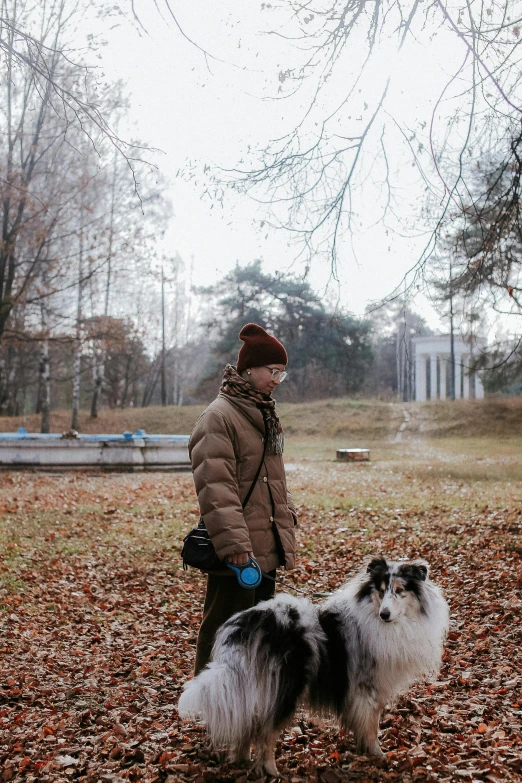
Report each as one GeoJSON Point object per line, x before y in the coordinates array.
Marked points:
{"type": "Point", "coordinates": [99, 622]}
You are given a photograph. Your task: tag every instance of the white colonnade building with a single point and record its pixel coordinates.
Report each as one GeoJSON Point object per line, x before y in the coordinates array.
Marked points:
{"type": "Point", "coordinates": [433, 369]}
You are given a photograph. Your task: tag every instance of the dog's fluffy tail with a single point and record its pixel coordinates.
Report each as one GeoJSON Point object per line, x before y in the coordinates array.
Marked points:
{"type": "Point", "coordinates": [231, 703]}
{"type": "Point", "coordinates": [262, 659]}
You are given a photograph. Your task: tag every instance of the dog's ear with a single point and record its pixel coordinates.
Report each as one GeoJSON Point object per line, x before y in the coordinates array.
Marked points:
{"type": "Point", "coordinates": [376, 565]}
{"type": "Point", "coordinates": [417, 569]}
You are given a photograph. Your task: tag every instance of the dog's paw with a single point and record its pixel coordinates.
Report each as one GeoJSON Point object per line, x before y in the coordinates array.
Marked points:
{"type": "Point", "coordinates": [370, 749]}
{"type": "Point", "coordinates": [268, 768]}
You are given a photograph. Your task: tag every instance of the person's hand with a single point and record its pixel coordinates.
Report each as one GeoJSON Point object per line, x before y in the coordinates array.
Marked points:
{"type": "Point", "coordinates": [241, 559]}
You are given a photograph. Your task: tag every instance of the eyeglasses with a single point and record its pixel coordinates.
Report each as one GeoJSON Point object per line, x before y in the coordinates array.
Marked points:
{"type": "Point", "coordinates": [277, 375]}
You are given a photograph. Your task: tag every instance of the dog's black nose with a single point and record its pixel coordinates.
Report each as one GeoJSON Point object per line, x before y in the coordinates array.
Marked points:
{"type": "Point", "coordinates": [385, 614]}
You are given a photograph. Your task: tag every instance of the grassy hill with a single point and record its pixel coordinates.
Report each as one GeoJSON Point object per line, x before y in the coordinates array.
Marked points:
{"type": "Point", "coordinates": [373, 420]}
{"type": "Point", "coordinates": [491, 417]}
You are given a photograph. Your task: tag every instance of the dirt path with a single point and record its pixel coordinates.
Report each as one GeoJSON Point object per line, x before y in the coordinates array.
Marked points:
{"type": "Point", "coordinates": [403, 426]}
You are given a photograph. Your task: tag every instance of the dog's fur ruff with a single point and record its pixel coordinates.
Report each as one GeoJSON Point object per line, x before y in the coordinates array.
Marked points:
{"type": "Point", "coordinates": [347, 657]}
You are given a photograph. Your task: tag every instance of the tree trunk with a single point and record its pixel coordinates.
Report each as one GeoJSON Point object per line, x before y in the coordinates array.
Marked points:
{"type": "Point", "coordinates": [126, 383]}
{"type": "Point", "coordinates": [178, 383]}
{"type": "Point", "coordinates": [150, 385]}
{"type": "Point", "coordinates": [77, 362]}
{"type": "Point", "coordinates": [11, 389]}
{"type": "Point", "coordinates": [38, 404]}
{"type": "Point", "coordinates": [45, 387]}
{"type": "Point", "coordinates": [45, 376]}
{"type": "Point", "coordinates": [98, 383]}
{"type": "Point", "coordinates": [3, 385]}
{"type": "Point", "coordinates": [100, 358]}
{"type": "Point", "coordinates": [77, 366]}
{"type": "Point", "coordinates": [163, 369]}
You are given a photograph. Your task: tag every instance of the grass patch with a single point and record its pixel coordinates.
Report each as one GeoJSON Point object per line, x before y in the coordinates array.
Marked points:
{"type": "Point", "coordinates": [11, 584]}
{"type": "Point", "coordinates": [341, 419]}
{"type": "Point", "coordinates": [324, 449]}
{"type": "Point", "coordinates": [409, 475]}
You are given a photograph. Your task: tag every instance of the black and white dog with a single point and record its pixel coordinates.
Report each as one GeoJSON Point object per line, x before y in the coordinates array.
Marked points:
{"type": "Point", "coordinates": [347, 657]}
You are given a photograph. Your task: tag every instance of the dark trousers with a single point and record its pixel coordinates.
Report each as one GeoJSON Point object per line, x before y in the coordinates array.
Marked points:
{"type": "Point", "coordinates": [225, 597]}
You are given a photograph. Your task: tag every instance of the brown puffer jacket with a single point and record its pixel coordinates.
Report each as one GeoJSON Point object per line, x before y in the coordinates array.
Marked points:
{"type": "Point", "coordinates": [225, 449]}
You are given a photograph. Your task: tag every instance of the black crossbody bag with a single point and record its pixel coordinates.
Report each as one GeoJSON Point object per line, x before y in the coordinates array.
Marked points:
{"type": "Point", "coordinates": [198, 550]}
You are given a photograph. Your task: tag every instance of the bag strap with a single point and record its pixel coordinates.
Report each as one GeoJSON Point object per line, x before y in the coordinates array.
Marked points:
{"type": "Point", "coordinates": [265, 440]}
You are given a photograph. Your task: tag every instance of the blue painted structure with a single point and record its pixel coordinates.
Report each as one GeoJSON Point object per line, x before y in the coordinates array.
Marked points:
{"type": "Point", "coordinates": [128, 451]}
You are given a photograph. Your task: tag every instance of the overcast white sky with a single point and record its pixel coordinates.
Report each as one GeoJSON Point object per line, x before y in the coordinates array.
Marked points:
{"type": "Point", "coordinates": [210, 112]}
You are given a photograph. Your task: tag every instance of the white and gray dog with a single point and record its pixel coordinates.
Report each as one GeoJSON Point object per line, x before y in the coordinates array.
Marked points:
{"type": "Point", "coordinates": [347, 657]}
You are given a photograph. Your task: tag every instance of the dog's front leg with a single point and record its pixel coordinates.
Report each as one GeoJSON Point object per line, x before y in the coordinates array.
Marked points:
{"type": "Point", "coordinates": [265, 755]}
{"type": "Point", "coordinates": [367, 733]}
{"type": "Point", "coordinates": [363, 719]}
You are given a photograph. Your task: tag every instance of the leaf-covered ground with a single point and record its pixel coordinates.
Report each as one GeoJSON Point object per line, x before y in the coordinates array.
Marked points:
{"type": "Point", "coordinates": [98, 622]}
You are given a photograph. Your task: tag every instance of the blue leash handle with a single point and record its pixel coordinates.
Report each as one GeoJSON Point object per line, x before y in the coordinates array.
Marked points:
{"type": "Point", "coordinates": [248, 575]}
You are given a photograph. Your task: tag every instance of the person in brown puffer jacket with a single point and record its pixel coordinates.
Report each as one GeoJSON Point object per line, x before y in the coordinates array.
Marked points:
{"type": "Point", "coordinates": [226, 449]}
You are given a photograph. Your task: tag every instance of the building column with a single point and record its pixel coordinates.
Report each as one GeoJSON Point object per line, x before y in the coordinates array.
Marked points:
{"type": "Point", "coordinates": [479, 389]}
{"type": "Point", "coordinates": [420, 377]}
{"type": "Point", "coordinates": [433, 376]}
{"type": "Point", "coordinates": [458, 371]}
{"type": "Point", "coordinates": [443, 365]}
{"type": "Point", "coordinates": [466, 381]}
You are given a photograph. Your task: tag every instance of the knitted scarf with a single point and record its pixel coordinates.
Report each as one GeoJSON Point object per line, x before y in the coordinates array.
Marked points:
{"type": "Point", "coordinates": [235, 386]}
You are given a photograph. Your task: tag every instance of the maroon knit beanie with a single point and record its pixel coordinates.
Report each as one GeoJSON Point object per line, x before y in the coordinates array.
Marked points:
{"type": "Point", "coordinates": [259, 348]}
